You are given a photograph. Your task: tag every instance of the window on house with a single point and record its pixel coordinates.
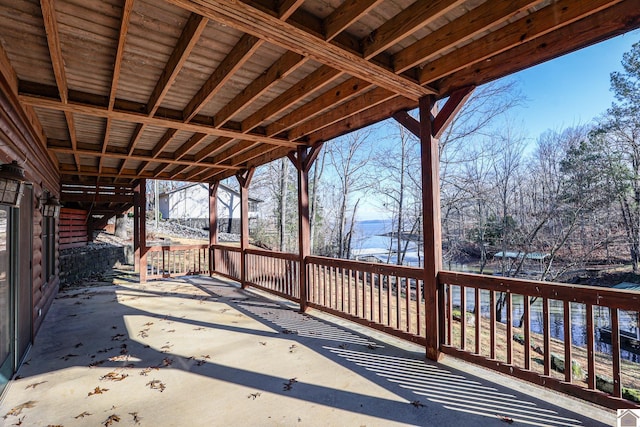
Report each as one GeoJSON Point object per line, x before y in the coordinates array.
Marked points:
{"type": "Point", "coordinates": [48, 247]}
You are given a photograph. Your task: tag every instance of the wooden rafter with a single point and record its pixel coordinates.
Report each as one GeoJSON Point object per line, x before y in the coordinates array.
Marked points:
{"type": "Point", "coordinates": [461, 30]}
{"type": "Point", "coordinates": [260, 24]}
{"type": "Point", "coordinates": [346, 14]}
{"type": "Point", "coordinates": [124, 29]}
{"type": "Point", "coordinates": [356, 121]}
{"type": "Point", "coordinates": [190, 35]}
{"type": "Point", "coordinates": [414, 17]}
{"type": "Point", "coordinates": [288, 63]}
{"type": "Point", "coordinates": [613, 21]}
{"type": "Point", "coordinates": [314, 81]}
{"type": "Point", "coordinates": [240, 53]}
{"type": "Point", "coordinates": [539, 23]}
{"type": "Point", "coordinates": [55, 50]}
{"type": "Point", "coordinates": [195, 139]}
{"type": "Point", "coordinates": [363, 102]}
{"type": "Point", "coordinates": [326, 101]}
{"type": "Point", "coordinates": [217, 145]}
{"type": "Point", "coordinates": [71, 127]}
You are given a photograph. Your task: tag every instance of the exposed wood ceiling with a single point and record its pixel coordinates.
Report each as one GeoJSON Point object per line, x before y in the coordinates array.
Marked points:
{"type": "Point", "coordinates": [198, 90]}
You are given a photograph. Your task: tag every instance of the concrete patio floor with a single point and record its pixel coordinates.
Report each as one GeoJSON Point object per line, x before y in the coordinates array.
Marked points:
{"type": "Point", "coordinates": [198, 351]}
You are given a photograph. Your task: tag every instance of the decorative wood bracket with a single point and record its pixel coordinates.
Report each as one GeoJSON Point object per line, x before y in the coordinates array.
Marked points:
{"type": "Point", "coordinates": [244, 177]}
{"type": "Point", "coordinates": [213, 189]}
{"type": "Point", "coordinates": [444, 117]}
{"type": "Point", "coordinates": [449, 110]}
{"type": "Point", "coordinates": [304, 157]}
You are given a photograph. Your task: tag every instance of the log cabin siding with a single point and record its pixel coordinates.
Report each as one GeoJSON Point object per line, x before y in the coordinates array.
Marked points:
{"type": "Point", "coordinates": [22, 139]}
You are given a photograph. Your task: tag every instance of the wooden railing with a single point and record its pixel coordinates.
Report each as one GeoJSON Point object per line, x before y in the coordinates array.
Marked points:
{"type": "Point", "coordinates": [275, 272]}
{"type": "Point", "coordinates": [227, 261]}
{"type": "Point", "coordinates": [548, 333]}
{"type": "Point", "coordinates": [381, 296]}
{"type": "Point", "coordinates": [180, 260]}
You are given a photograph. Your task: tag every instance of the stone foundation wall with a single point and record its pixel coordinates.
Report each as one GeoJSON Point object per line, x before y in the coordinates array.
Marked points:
{"type": "Point", "coordinates": [81, 263]}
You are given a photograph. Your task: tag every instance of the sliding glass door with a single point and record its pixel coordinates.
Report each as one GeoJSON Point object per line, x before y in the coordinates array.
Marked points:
{"type": "Point", "coordinates": [6, 302]}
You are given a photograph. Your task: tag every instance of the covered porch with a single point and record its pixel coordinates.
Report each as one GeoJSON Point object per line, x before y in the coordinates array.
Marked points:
{"type": "Point", "coordinates": [202, 351]}
{"type": "Point", "coordinates": [97, 97]}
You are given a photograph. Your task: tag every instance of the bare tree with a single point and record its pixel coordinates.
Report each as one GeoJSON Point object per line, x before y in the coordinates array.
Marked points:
{"type": "Point", "coordinates": [348, 157]}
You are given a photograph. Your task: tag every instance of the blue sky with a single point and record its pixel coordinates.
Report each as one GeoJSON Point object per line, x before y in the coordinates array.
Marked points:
{"type": "Point", "coordinates": [567, 91]}
{"type": "Point", "coordinates": [572, 89]}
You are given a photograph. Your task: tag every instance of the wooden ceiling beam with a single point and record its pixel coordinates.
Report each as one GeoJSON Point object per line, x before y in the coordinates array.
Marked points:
{"type": "Point", "coordinates": [313, 82]}
{"type": "Point", "coordinates": [418, 15]}
{"type": "Point", "coordinates": [71, 127]}
{"type": "Point", "coordinates": [614, 21]}
{"type": "Point", "coordinates": [217, 145]}
{"type": "Point", "coordinates": [367, 100]}
{"type": "Point", "coordinates": [55, 50]}
{"type": "Point", "coordinates": [144, 156]}
{"type": "Point", "coordinates": [161, 168]}
{"type": "Point", "coordinates": [251, 161]}
{"type": "Point", "coordinates": [195, 139]}
{"type": "Point", "coordinates": [164, 141]}
{"type": "Point", "coordinates": [361, 119]}
{"type": "Point", "coordinates": [195, 172]}
{"type": "Point", "coordinates": [345, 15]}
{"type": "Point", "coordinates": [105, 140]}
{"type": "Point", "coordinates": [227, 154]}
{"type": "Point", "coordinates": [284, 66]}
{"type": "Point", "coordinates": [177, 171]}
{"type": "Point", "coordinates": [487, 15]}
{"type": "Point", "coordinates": [133, 115]}
{"type": "Point", "coordinates": [286, 8]}
{"type": "Point", "coordinates": [90, 171]}
{"type": "Point", "coordinates": [330, 98]}
{"type": "Point", "coordinates": [553, 17]}
{"type": "Point", "coordinates": [240, 53]}
{"type": "Point", "coordinates": [188, 39]}
{"type": "Point", "coordinates": [261, 24]}
{"type": "Point", "coordinates": [122, 37]}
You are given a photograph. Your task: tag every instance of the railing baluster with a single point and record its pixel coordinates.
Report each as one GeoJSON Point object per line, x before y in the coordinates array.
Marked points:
{"type": "Point", "coordinates": [407, 301]}
{"type": "Point", "coordinates": [527, 331]}
{"type": "Point", "coordinates": [615, 345]}
{"type": "Point", "coordinates": [398, 305]}
{"type": "Point", "coordinates": [547, 336]}
{"type": "Point", "coordinates": [591, 360]}
{"type": "Point", "coordinates": [478, 325]}
{"type": "Point", "coordinates": [492, 322]}
{"type": "Point", "coordinates": [567, 342]}
{"type": "Point", "coordinates": [463, 318]}
{"type": "Point", "coordinates": [509, 329]}
{"type": "Point", "coordinates": [389, 301]}
{"type": "Point", "coordinates": [379, 282]}
{"type": "Point", "coordinates": [449, 305]}
{"type": "Point", "coordinates": [342, 289]}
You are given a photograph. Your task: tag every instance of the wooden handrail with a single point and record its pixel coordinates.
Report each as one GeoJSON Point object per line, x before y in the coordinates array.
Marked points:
{"type": "Point", "coordinates": [624, 300]}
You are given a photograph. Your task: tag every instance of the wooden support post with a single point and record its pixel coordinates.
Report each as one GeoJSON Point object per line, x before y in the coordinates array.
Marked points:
{"type": "Point", "coordinates": [303, 159]}
{"type": "Point", "coordinates": [431, 228]}
{"type": "Point", "coordinates": [244, 179]}
{"type": "Point", "coordinates": [213, 224]}
{"type": "Point", "coordinates": [428, 129]}
{"type": "Point", "coordinates": [142, 207]}
{"type": "Point", "coordinates": [136, 229]}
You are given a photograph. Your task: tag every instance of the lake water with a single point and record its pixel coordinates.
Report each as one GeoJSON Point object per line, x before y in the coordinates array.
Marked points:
{"type": "Point", "coordinates": [369, 240]}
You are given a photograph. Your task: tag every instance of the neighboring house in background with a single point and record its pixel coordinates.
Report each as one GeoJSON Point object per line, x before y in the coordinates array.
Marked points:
{"type": "Point", "coordinates": [191, 203]}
